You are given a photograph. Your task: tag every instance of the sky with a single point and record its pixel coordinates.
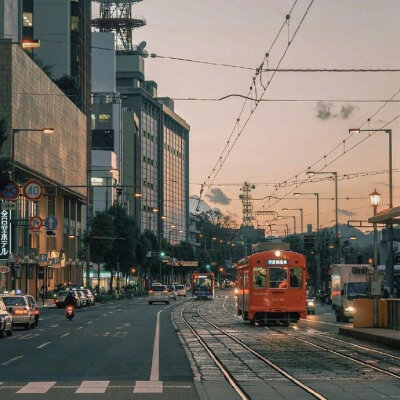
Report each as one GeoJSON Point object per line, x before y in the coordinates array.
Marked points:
{"type": "Point", "coordinates": [282, 139]}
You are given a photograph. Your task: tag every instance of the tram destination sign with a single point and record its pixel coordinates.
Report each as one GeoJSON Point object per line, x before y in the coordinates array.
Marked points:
{"type": "Point", "coordinates": [277, 262]}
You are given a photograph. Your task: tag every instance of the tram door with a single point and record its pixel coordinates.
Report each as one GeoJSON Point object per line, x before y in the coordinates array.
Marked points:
{"type": "Point", "coordinates": [245, 291]}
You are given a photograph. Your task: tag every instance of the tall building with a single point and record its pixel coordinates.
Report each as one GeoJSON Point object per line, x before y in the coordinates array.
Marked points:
{"type": "Point", "coordinates": [157, 169]}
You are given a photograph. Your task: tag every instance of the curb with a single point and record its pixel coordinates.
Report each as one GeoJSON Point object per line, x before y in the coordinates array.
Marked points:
{"type": "Point", "coordinates": [388, 341]}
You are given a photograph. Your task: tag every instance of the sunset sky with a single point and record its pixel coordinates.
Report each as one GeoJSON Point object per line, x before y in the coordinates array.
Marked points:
{"type": "Point", "coordinates": [282, 139]}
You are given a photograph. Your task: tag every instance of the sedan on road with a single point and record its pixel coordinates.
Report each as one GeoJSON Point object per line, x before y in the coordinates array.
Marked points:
{"type": "Point", "coordinates": [171, 292]}
{"type": "Point", "coordinates": [33, 304]}
{"type": "Point", "coordinates": [158, 293]}
{"type": "Point", "coordinates": [23, 314]}
{"type": "Point", "coordinates": [180, 290]}
{"type": "Point", "coordinates": [5, 320]}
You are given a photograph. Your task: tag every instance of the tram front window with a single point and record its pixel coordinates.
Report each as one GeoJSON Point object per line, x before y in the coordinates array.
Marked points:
{"type": "Point", "coordinates": [277, 278]}
{"type": "Point", "coordinates": [202, 283]}
{"type": "Point", "coordinates": [259, 277]}
{"type": "Point", "coordinates": [295, 278]}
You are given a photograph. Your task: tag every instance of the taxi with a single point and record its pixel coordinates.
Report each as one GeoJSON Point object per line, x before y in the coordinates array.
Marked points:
{"type": "Point", "coordinates": [5, 320]}
{"type": "Point", "coordinates": [158, 293]}
{"type": "Point", "coordinates": [22, 312]}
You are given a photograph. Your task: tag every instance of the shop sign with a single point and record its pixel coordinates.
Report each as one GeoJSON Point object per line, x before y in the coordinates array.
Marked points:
{"type": "Point", "coordinates": [5, 234]}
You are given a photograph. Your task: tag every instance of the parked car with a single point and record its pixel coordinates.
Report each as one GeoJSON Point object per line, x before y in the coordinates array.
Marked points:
{"type": "Point", "coordinates": [171, 292]}
{"type": "Point", "coordinates": [5, 320]}
{"type": "Point", "coordinates": [35, 307]}
{"type": "Point", "coordinates": [180, 290]}
{"type": "Point", "coordinates": [84, 300]}
{"type": "Point", "coordinates": [310, 305]}
{"type": "Point", "coordinates": [158, 293]}
{"type": "Point", "coordinates": [89, 295]}
{"type": "Point", "coordinates": [60, 300]}
{"type": "Point", "coordinates": [23, 314]}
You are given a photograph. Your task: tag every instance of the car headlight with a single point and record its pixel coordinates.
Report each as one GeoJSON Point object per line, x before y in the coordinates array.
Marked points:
{"type": "Point", "coordinates": [236, 291]}
{"type": "Point", "coordinates": [310, 304]}
{"type": "Point", "coordinates": [350, 309]}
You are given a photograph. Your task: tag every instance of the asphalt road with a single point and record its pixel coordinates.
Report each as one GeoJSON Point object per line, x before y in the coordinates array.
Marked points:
{"type": "Point", "coordinates": [107, 351]}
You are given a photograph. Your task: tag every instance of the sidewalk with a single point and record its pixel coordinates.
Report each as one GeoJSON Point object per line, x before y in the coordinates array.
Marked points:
{"type": "Point", "coordinates": [48, 303]}
{"type": "Point", "coordinates": [388, 337]}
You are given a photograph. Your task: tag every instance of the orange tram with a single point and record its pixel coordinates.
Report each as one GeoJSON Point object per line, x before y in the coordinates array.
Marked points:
{"type": "Point", "coordinates": [271, 285]}
{"type": "Point", "coordinates": [203, 285]}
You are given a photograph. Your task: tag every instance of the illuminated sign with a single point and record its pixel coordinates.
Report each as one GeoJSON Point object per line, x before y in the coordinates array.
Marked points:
{"type": "Point", "coordinates": [277, 262]}
{"type": "Point", "coordinates": [5, 234]}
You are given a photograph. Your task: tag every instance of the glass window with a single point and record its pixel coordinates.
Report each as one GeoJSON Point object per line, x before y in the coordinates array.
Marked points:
{"type": "Point", "coordinates": [295, 277]}
{"type": "Point", "coordinates": [104, 117]}
{"type": "Point", "coordinates": [277, 278]}
{"type": "Point", "coordinates": [259, 277]}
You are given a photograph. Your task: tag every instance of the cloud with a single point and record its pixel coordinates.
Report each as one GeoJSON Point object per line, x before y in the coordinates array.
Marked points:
{"type": "Point", "coordinates": [217, 196]}
{"type": "Point", "coordinates": [194, 202]}
{"type": "Point", "coordinates": [347, 212]}
{"type": "Point", "coordinates": [325, 111]}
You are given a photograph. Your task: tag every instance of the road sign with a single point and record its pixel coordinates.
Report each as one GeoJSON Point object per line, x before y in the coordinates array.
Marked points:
{"type": "Point", "coordinates": [8, 205]}
{"type": "Point", "coordinates": [43, 258]}
{"type": "Point", "coordinates": [10, 192]}
{"type": "Point", "coordinates": [4, 269]}
{"type": "Point", "coordinates": [33, 190]}
{"type": "Point", "coordinates": [189, 263]}
{"type": "Point", "coordinates": [51, 222]}
{"type": "Point", "coordinates": [50, 233]}
{"type": "Point", "coordinates": [35, 223]}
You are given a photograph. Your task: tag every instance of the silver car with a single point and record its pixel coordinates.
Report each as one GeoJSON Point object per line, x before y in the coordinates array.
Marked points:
{"type": "Point", "coordinates": [5, 320]}
{"type": "Point", "coordinates": [22, 312]}
{"type": "Point", "coordinates": [158, 293]}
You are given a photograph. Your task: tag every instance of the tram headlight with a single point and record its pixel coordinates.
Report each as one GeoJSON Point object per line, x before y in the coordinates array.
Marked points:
{"type": "Point", "coordinates": [350, 309]}
{"type": "Point", "coordinates": [310, 303]}
{"type": "Point", "coordinates": [277, 253]}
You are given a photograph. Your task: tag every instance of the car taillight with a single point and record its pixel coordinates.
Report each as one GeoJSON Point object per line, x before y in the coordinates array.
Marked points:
{"type": "Point", "coordinates": [151, 291]}
{"type": "Point", "coordinates": [165, 291]}
{"type": "Point", "coordinates": [20, 311]}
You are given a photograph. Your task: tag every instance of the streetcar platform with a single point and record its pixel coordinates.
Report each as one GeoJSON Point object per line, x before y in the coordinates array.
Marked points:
{"type": "Point", "coordinates": [388, 337]}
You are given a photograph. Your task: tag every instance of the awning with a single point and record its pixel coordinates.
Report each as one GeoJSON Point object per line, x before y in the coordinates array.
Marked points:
{"type": "Point", "coordinates": [388, 216]}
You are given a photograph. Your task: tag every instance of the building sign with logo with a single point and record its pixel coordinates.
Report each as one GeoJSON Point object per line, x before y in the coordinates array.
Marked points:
{"type": "Point", "coordinates": [5, 234]}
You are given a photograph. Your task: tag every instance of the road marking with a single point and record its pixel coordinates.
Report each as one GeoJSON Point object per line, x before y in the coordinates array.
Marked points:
{"type": "Point", "coordinates": [93, 387]}
{"type": "Point", "coordinates": [28, 336]}
{"type": "Point", "coordinates": [90, 322]}
{"type": "Point", "coordinates": [54, 326]}
{"type": "Point", "coordinates": [42, 345]}
{"type": "Point", "coordinates": [13, 359]}
{"type": "Point", "coordinates": [79, 328]}
{"type": "Point", "coordinates": [155, 364]}
{"type": "Point", "coordinates": [148, 387]}
{"type": "Point", "coordinates": [65, 334]}
{"type": "Point", "coordinates": [37, 387]}
{"type": "Point", "coordinates": [104, 315]}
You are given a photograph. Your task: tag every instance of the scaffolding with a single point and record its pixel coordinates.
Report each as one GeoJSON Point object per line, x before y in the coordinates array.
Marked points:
{"type": "Point", "coordinates": [116, 16]}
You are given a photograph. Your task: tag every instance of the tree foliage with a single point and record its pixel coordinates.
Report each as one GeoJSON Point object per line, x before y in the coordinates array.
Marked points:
{"type": "Point", "coordinates": [70, 87]}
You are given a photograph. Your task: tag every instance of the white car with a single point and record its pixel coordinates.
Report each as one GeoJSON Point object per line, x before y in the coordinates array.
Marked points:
{"type": "Point", "coordinates": [22, 312]}
{"type": "Point", "coordinates": [158, 293]}
{"type": "Point", "coordinates": [180, 290]}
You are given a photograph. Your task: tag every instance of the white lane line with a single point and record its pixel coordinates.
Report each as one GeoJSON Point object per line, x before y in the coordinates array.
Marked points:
{"type": "Point", "coordinates": [65, 334]}
{"type": "Point", "coordinates": [93, 387]}
{"type": "Point", "coordinates": [42, 345]}
{"type": "Point", "coordinates": [54, 326]}
{"type": "Point", "coordinates": [37, 387]}
{"type": "Point", "coordinates": [79, 328]}
{"type": "Point", "coordinates": [13, 359]}
{"type": "Point", "coordinates": [104, 315]}
{"type": "Point", "coordinates": [90, 322]}
{"type": "Point", "coordinates": [155, 364]}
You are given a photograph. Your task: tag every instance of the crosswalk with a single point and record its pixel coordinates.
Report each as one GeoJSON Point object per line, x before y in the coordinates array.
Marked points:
{"type": "Point", "coordinates": [93, 387]}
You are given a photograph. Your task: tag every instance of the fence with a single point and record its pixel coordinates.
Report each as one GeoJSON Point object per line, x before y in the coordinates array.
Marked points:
{"type": "Point", "coordinates": [393, 313]}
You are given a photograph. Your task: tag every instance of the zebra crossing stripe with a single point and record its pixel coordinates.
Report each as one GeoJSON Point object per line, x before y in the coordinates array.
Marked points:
{"type": "Point", "coordinates": [37, 387]}
{"type": "Point", "coordinates": [148, 387]}
{"type": "Point", "coordinates": [93, 387]}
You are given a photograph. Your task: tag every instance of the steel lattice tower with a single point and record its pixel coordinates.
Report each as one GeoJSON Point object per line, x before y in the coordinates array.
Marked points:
{"type": "Point", "coordinates": [247, 203]}
{"type": "Point", "coordinates": [117, 16]}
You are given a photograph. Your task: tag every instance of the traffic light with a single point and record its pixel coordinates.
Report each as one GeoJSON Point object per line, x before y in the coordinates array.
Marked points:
{"type": "Point", "coordinates": [162, 254]}
{"type": "Point", "coordinates": [208, 266]}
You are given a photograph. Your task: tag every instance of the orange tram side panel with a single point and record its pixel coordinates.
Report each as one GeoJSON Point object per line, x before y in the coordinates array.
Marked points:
{"type": "Point", "coordinates": [271, 287]}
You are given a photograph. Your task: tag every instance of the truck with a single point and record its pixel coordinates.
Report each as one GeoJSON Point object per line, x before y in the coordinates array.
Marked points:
{"type": "Point", "coordinates": [348, 282]}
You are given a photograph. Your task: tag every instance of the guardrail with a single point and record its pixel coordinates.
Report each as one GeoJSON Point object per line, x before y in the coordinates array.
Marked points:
{"type": "Point", "coordinates": [393, 313]}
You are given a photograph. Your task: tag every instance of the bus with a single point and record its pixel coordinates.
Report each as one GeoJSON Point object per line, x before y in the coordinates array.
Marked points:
{"type": "Point", "coordinates": [203, 285]}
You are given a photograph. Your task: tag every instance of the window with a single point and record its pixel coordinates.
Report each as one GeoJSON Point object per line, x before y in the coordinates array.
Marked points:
{"type": "Point", "coordinates": [295, 277]}
{"type": "Point", "coordinates": [104, 117]}
{"type": "Point", "coordinates": [277, 278]}
{"type": "Point", "coordinates": [259, 277]}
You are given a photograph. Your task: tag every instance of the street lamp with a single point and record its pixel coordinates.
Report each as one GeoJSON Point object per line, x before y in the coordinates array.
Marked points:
{"type": "Point", "coordinates": [301, 215]}
{"type": "Point", "coordinates": [375, 200]}
{"type": "Point", "coordinates": [334, 174]}
{"type": "Point", "coordinates": [289, 216]}
{"type": "Point", "coordinates": [391, 263]}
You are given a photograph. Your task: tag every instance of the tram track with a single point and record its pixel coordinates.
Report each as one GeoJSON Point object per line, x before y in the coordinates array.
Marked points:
{"type": "Point", "coordinates": [322, 337]}
{"type": "Point", "coordinates": [225, 370]}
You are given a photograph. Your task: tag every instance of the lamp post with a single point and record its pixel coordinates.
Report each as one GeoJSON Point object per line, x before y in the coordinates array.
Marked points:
{"type": "Point", "coordinates": [375, 199]}
{"type": "Point", "coordinates": [289, 216]}
{"type": "Point", "coordinates": [334, 174]}
{"type": "Point", "coordinates": [390, 270]}
{"type": "Point", "coordinates": [301, 215]}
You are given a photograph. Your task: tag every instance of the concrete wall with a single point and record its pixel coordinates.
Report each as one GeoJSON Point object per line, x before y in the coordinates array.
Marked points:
{"type": "Point", "coordinates": [29, 99]}
{"type": "Point", "coordinates": [103, 62]}
{"type": "Point", "coordinates": [52, 26]}
{"type": "Point", "coordinates": [9, 19]}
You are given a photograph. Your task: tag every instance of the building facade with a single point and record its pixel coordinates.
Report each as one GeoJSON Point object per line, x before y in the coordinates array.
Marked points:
{"type": "Point", "coordinates": [30, 101]}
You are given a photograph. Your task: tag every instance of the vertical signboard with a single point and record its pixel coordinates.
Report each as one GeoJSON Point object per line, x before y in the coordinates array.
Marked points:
{"type": "Point", "coordinates": [5, 234]}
